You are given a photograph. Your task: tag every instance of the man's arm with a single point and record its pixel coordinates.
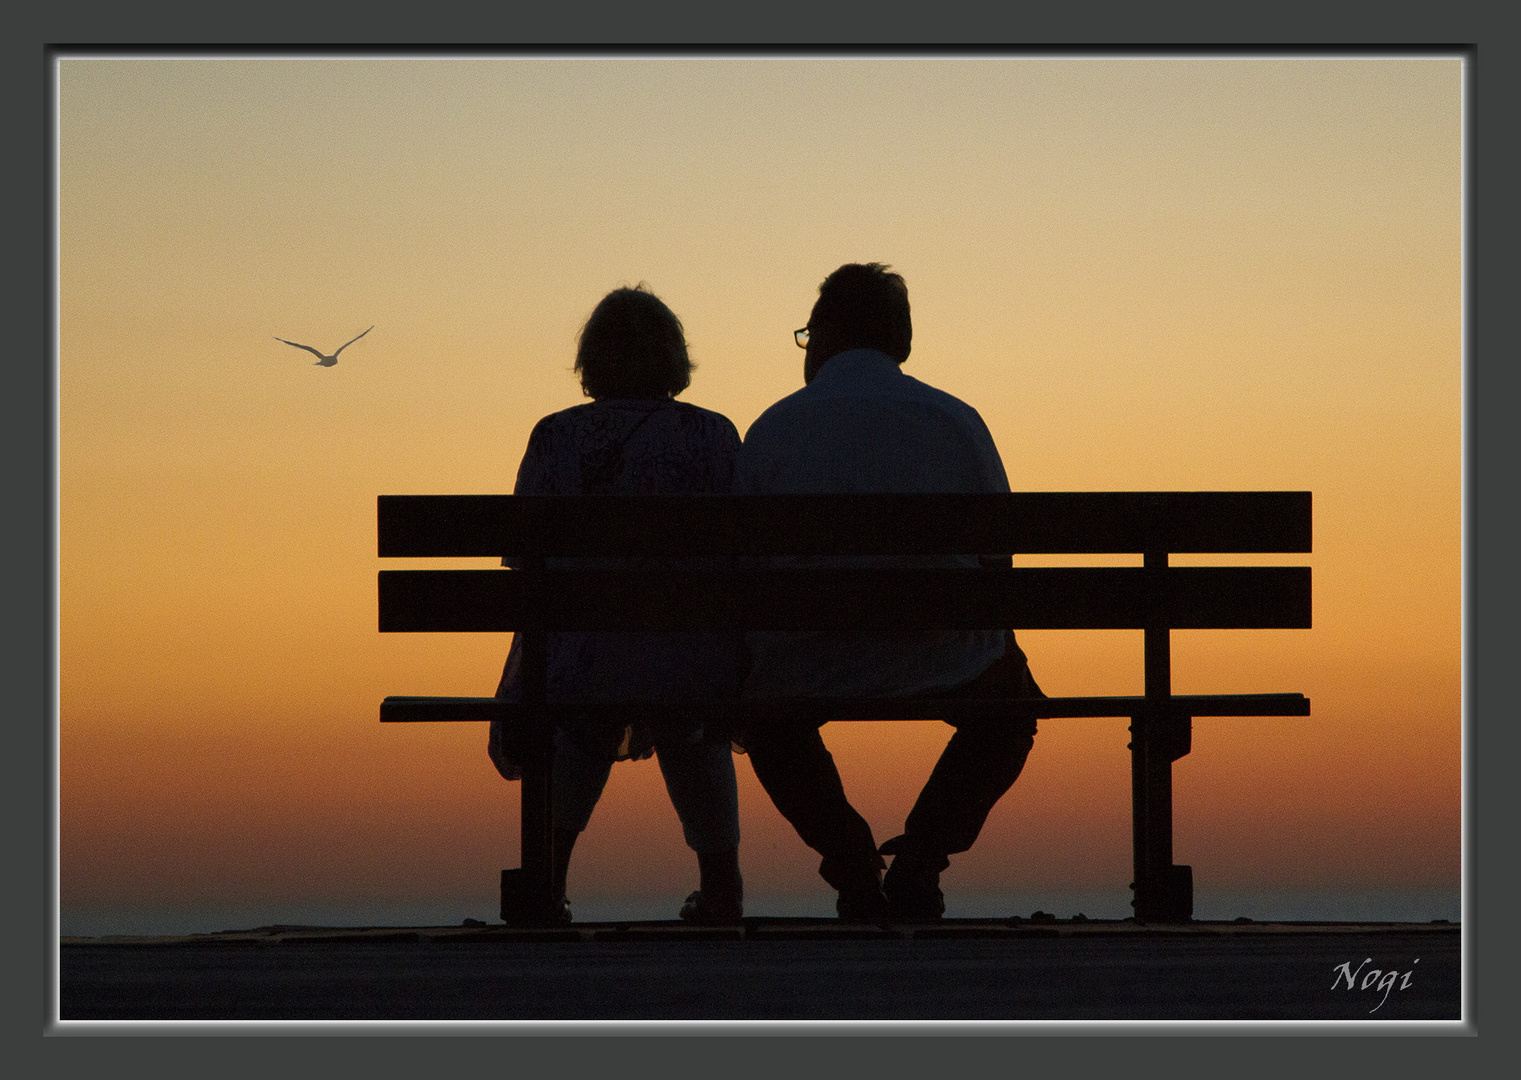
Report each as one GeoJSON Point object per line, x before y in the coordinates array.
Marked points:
{"type": "Point", "coordinates": [993, 476]}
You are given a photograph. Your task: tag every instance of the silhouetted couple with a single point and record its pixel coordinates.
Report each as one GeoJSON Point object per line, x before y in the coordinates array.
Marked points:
{"type": "Point", "coordinates": [859, 424]}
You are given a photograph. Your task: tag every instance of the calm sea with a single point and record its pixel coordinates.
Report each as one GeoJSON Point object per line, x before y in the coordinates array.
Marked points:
{"type": "Point", "coordinates": [1296, 905]}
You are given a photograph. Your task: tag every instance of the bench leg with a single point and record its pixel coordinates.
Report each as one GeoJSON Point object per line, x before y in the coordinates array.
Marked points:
{"type": "Point", "coordinates": [1158, 737]}
{"type": "Point", "coordinates": [528, 893]}
{"type": "Point", "coordinates": [1164, 892]}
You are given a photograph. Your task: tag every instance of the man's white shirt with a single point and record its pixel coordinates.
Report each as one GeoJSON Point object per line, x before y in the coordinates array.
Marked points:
{"type": "Point", "coordinates": [862, 425]}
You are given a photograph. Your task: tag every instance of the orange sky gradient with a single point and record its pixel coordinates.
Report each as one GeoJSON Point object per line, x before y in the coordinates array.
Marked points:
{"type": "Point", "coordinates": [1146, 273]}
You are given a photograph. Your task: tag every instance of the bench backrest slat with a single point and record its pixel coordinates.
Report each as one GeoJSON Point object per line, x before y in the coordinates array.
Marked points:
{"type": "Point", "coordinates": [428, 526]}
{"type": "Point", "coordinates": [1115, 598]}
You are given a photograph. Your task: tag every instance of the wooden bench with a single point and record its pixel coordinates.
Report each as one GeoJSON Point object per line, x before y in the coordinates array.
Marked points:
{"type": "Point", "coordinates": [1154, 597]}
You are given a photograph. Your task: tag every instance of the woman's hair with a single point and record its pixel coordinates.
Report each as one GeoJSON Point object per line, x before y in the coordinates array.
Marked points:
{"type": "Point", "coordinates": [633, 346]}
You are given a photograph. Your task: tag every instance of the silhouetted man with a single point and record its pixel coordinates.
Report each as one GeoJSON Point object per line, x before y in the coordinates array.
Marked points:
{"type": "Point", "coordinates": [861, 425]}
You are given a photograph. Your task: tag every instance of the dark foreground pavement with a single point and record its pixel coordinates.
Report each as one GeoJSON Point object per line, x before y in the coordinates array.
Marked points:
{"type": "Point", "coordinates": [775, 969]}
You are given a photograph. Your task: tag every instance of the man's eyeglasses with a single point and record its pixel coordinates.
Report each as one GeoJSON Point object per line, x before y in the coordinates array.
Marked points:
{"type": "Point", "coordinates": [801, 337]}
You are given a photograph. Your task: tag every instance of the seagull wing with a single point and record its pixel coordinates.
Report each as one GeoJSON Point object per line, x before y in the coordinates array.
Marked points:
{"type": "Point", "coordinates": [350, 341]}
{"type": "Point", "coordinates": [298, 345]}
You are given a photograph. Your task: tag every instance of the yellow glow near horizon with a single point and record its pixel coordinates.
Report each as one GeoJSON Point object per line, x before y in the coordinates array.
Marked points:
{"type": "Point", "coordinates": [1145, 272]}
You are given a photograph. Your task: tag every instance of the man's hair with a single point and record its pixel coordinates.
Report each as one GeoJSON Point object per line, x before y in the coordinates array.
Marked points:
{"type": "Point", "coordinates": [633, 346]}
{"type": "Point", "coordinates": [866, 307]}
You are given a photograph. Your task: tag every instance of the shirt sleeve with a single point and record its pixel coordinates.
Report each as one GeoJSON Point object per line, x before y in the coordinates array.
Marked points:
{"type": "Point", "coordinates": [750, 458]}
{"type": "Point", "coordinates": [534, 473]}
{"type": "Point", "coordinates": [993, 474]}
{"type": "Point", "coordinates": [725, 456]}
{"type": "Point", "coordinates": [534, 477]}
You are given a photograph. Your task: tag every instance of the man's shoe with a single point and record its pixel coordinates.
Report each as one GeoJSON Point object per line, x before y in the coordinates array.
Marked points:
{"type": "Point", "coordinates": [863, 906]}
{"type": "Point", "coordinates": [858, 880]}
{"type": "Point", "coordinates": [914, 899]}
{"type": "Point", "coordinates": [703, 910]}
{"type": "Point", "coordinates": [862, 903]}
{"type": "Point", "coordinates": [912, 884]}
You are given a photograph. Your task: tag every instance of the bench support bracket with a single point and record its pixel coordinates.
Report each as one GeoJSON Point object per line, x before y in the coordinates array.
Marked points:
{"type": "Point", "coordinates": [1159, 735]}
{"type": "Point", "coordinates": [1164, 891]}
{"type": "Point", "coordinates": [529, 893]}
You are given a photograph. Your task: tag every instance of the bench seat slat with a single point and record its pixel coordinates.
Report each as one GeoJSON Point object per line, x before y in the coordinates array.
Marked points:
{"type": "Point", "coordinates": [1033, 598]}
{"type": "Point", "coordinates": [396, 710]}
{"type": "Point", "coordinates": [1040, 522]}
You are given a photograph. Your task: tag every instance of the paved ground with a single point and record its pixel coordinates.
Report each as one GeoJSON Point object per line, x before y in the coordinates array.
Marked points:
{"type": "Point", "coordinates": [775, 969]}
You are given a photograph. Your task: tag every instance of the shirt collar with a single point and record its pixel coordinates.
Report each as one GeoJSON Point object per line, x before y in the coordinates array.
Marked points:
{"type": "Point", "coordinates": [854, 365]}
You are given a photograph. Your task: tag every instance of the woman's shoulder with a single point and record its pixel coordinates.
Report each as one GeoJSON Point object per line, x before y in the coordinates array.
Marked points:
{"type": "Point", "coordinates": [609, 418]}
{"type": "Point", "coordinates": [570, 415]}
{"type": "Point", "coordinates": [707, 418]}
{"type": "Point", "coordinates": [573, 422]}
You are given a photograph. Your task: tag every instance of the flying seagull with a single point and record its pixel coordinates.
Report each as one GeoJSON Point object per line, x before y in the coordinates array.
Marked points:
{"type": "Point", "coordinates": [323, 360]}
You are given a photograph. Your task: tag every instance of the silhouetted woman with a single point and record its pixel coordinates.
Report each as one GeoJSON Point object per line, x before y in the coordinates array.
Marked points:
{"type": "Point", "coordinates": [635, 438]}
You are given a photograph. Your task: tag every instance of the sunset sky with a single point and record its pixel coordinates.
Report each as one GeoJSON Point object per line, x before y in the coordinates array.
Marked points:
{"type": "Point", "coordinates": [1145, 272]}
